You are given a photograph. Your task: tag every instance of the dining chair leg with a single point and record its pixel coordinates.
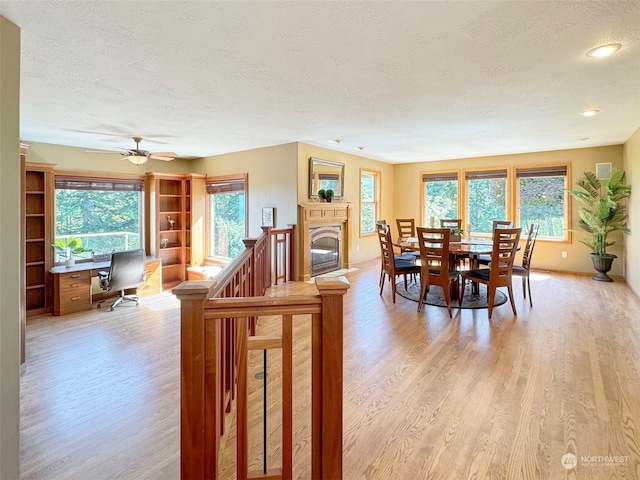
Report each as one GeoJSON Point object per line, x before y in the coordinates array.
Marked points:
{"type": "Point", "coordinates": [491, 297]}
{"type": "Point", "coordinates": [405, 281]}
{"type": "Point", "coordinates": [462, 284]}
{"type": "Point", "coordinates": [529, 288]}
{"type": "Point", "coordinates": [513, 304]}
{"type": "Point", "coordinates": [447, 299]}
{"type": "Point", "coordinates": [382, 283]}
{"type": "Point", "coordinates": [393, 290]}
{"type": "Point", "coordinates": [524, 287]}
{"type": "Point", "coordinates": [424, 287]}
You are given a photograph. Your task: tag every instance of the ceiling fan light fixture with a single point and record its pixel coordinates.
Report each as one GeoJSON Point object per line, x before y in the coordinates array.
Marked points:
{"type": "Point", "coordinates": [604, 50]}
{"type": "Point", "coordinates": [137, 159]}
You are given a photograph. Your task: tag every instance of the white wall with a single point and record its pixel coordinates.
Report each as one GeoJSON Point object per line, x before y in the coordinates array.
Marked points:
{"type": "Point", "coordinates": [9, 250]}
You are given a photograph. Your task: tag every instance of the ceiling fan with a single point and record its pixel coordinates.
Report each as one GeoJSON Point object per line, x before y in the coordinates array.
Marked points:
{"type": "Point", "coordinates": [138, 156]}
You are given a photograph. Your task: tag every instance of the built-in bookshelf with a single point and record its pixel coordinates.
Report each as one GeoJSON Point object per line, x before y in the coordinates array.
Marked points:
{"type": "Point", "coordinates": [170, 208]}
{"type": "Point", "coordinates": [38, 204]}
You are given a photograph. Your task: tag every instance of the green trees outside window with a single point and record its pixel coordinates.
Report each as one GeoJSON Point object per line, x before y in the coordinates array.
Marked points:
{"type": "Point", "coordinates": [104, 220]}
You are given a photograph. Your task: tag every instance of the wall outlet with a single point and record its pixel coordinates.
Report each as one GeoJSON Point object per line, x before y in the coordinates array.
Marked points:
{"type": "Point", "coordinates": [564, 254]}
{"type": "Point", "coordinates": [357, 248]}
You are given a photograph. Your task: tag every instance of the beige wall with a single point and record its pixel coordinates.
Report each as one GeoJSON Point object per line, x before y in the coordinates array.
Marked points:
{"type": "Point", "coordinates": [407, 191]}
{"type": "Point", "coordinates": [360, 248]}
{"type": "Point", "coordinates": [631, 155]}
{"type": "Point", "coordinates": [74, 158]}
{"type": "Point", "coordinates": [272, 181]}
{"type": "Point", "coordinates": [10, 267]}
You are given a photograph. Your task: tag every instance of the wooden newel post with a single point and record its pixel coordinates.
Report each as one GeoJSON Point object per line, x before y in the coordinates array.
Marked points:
{"type": "Point", "coordinates": [200, 378]}
{"type": "Point", "coordinates": [327, 363]}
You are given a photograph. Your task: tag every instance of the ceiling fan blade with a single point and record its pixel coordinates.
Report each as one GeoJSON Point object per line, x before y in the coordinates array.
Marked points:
{"type": "Point", "coordinates": [101, 151]}
{"type": "Point", "coordinates": [164, 156]}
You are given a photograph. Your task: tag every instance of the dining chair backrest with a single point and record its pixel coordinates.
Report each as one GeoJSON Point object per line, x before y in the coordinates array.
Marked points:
{"type": "Point", "coordinates": [434, 252]}
{"type": "Point", "coordinates": [502, 224]}
{"type": "Point", "coordinates": [386, 250]}
{"type": "Point", "coordinates": [451, 223]}
{"type": "Point", "coordinates": [381, 224]}
{"type": "Point", "coordinates": [528, 248]}
{"type": "Point", "coordinates": [406, 227]}
{"type": "Point", "coordinates": [505, 246]}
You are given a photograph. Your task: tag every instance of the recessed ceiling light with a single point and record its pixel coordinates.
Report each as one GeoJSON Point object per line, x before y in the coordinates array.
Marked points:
{"type": "Point", "coordinates": [335, 140]}
{"type": "Point", "coordinates": [361, 148]}
{"type": "Point", "coordinates": [590, 113]}
{"type": "Point", "coordinates": [584, 139]}
{"type": "Point", "coordinates": [604, 50]}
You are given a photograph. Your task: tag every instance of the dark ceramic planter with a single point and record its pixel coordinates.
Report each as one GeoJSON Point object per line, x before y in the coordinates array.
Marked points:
{"type": "Point", "coordinates": [602, 264]}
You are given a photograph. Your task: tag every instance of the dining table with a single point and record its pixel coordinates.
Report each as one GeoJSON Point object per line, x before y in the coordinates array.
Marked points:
{"type": "Point", "coordinates": [471, 247]}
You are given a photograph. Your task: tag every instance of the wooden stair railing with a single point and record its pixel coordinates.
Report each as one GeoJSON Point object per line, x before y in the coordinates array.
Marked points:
{"type": "Point", "coordinates": [282, 254]}
{"type": "Point", "coordinates": [201, 407]}
{"type": "Point", "coordinates": [213, 320]}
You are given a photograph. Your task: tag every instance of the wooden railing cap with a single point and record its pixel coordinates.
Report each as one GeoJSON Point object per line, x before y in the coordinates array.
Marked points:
{"type": "Point", "coordinates": [332, 285]}
{"type": "Point", "coordinates": [194, 290]}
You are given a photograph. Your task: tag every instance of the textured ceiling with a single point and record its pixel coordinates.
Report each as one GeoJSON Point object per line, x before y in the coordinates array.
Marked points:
{"type": "Point", "coordinates": [409, 81]}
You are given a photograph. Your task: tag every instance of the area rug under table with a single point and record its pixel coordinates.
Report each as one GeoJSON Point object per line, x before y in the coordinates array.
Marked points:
{"type": "Point", "coordinates": [435, 296]}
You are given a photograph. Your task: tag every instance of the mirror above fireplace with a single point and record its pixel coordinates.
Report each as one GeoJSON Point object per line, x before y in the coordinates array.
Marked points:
{"type": "Point", "coordinates": [325, 174]}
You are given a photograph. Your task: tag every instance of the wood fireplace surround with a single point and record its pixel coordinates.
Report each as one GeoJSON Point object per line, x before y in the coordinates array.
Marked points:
{"type": "Point", "coordinates": [312, 215]}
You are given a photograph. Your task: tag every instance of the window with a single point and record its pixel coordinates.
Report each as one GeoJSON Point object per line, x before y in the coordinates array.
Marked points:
{"type": "Point", "coordinates": [440, 196]}
{"type": "Point", "coordinates": [369, 200]}
{"type": "Point", "coordinates": [228, 215]}
{"type": "Point", "coordinates": [105, 213]}
{"type": "Point", "coordinates": [542, 199]}
{"type": "Point", "coordinates": [486, 198]}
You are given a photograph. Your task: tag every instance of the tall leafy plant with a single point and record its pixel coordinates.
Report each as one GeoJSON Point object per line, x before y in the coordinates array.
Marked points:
{"type": "Point", "coordinates": [603, 210]}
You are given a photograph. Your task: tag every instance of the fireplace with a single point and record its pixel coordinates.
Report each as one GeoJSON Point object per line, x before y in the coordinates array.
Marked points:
{"type": "Point", "coordinates": [324, 250]}
{"type": "Point", "coordinates": [323, 228]}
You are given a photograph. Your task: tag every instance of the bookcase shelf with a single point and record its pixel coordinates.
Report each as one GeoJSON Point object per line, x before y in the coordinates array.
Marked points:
{"type": "Point", "coordinates": [170, 206]}
{"type": "Point", "coordinates": [37, 209]}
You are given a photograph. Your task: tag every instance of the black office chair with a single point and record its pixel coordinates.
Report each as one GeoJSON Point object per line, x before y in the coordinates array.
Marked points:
{"type": "Point", "coordinates": [127, 270]}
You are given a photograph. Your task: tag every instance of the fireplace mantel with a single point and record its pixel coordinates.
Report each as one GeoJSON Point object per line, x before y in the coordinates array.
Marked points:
{"type": "Point", "coordinates": [315, 214]}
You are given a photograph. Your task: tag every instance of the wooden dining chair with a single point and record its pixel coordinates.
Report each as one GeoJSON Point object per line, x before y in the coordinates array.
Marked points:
{"type": "Point", "coordinates": [485, 259]}
{"type": "Point", "coordinates": [451, 223]}
{"type": "Point", "coordinates": [524, 269]}
{"type": "Point", "coordinates": [499, 273]}
{"type": "Point", "coordinates": [455, 223]}
{"type": "Point", "coordinates": [406, 229]}
{"type": "Point", "coordinates": [434, 262]}
{"type": "Point", "coordinates": [392, 266]}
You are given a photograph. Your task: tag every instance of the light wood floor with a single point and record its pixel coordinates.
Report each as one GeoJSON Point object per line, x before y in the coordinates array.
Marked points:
{"type": "Point", "coordinates": [424, 396]}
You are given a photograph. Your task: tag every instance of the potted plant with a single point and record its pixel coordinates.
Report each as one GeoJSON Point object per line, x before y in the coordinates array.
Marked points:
{"type": "Point", "coordinates": [328, 195]}
{"type": "Point", "coordinates": [456, 234]}
{"type": "Point", "coordinates": [601, 213]}
{"type": "Point", "coordinates": [321, 193]}
{"type": "Point", "coordinates": [67, 247]}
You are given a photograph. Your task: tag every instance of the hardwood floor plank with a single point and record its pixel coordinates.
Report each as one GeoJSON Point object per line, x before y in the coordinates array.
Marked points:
{"type": "Point", "coordinates": [425, 396]}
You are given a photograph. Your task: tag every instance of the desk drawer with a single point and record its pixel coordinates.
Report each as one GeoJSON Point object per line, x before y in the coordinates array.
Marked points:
{"type": "Point", "coordinates": [153, 278]}
{"type": "Point", "coordinates": [73, 292]}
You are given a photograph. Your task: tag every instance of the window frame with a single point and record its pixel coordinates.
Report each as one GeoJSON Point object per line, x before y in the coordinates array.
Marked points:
{"type": "Point", "coordinates": [436, 174]}
{"type": "Point", "coordinates": [377, 182]}
{"type": "Point", "coordinates": [508, 195]}
{"type": "Point", "coordinates": [100, 177]}
{"type": "Point", "coordinates": [567, 198]}
{"type": "Point", "coordinates": [235, 177]}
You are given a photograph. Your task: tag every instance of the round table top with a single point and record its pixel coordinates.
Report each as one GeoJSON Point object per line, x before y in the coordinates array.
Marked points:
{"type": "Point", "coordinates": [476, 246]}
